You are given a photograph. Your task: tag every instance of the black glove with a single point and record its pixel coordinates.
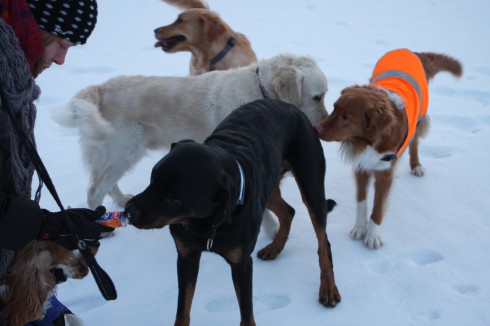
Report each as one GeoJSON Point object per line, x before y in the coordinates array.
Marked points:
{"type": "Point", "coordinates": [54, 227]}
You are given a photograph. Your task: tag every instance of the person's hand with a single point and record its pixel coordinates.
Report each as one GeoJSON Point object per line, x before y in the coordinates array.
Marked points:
{"type": "Point", "coordinates": [54, 227]}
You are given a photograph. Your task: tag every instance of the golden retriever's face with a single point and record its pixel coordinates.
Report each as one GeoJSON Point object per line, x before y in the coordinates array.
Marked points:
{"type": "Point", "coordinates": [360, 112]}
{"type": "Point", "coordinates": [315, 88]}
{"type": "Point", "coordinates": [302, 84]}
{"type": "Point", "coordinates": [193, 27]}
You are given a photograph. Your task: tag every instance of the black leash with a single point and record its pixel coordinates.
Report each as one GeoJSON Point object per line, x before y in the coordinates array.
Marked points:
{"type": "Point", "coordinates": [103, 280]}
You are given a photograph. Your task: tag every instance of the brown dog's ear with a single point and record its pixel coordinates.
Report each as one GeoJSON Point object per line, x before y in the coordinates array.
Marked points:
{"type": "Point", "coordinates": [288, 85]}
{"type": "Point", "coordinates": [377, 121]}
{"type": "Point", "coordinates": [213, 26]}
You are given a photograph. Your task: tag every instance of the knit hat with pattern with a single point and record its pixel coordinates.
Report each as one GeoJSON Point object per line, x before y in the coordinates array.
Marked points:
{"type": "Point", "coordinates": [73, 20]}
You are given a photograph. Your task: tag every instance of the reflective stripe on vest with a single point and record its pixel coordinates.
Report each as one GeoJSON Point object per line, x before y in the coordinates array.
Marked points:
{"type": "Point", "coordinates": [407, 77]}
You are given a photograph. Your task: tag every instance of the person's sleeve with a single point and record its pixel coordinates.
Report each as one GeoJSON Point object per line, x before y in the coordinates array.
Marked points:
{"type": "Point", "coordinates": [20, 221]}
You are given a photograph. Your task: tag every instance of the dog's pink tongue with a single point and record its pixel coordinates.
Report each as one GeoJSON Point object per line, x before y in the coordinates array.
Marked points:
{"type": "Point", "coordinates": [159, 44]}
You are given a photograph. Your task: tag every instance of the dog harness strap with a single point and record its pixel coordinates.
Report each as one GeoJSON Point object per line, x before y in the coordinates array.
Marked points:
{"type": "Point", "coordinates": [402, 72]}
{"type": "Point", "coordinates": [261, 85]}
{"type": "Point", "coordinates": [241, 195]}
{"type": "Point", "coordinates": [229, 44]}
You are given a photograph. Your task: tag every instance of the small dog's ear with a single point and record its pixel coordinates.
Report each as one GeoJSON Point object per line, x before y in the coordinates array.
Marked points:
{"type": "Point", "coordinates": [29, 282]}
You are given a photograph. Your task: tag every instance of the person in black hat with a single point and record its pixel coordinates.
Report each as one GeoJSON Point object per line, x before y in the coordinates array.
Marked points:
{"type": "Point", "coordinates": [62, 24]}
{"type": "Point", "coordinates": [33, 35]}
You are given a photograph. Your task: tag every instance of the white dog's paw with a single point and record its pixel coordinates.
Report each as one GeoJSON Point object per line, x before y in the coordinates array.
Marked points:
{"type": "Point", "coordinates": [358, 232]}
{"type": "Point", "coordinates": [373, 239]}
{"type": "Point", "coordinates": [360, 227]}
{"type": "Point", "coordinates": [418, 171]}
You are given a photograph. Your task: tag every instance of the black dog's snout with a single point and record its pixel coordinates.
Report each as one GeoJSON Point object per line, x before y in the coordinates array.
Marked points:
{"type": "Point", "coordinates": [132, 212]}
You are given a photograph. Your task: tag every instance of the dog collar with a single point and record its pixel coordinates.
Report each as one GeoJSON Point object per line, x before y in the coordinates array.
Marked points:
{"type": "Point", "coordinates": [261, 85]}
{"type": "Point", "coordinates": [241, 195]}
{"type": "Point", "coordinates": [388, 157]}
{"type": "Point", "coordinates": [229, 44]}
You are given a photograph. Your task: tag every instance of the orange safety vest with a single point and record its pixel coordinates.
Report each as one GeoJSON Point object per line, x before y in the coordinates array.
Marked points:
{"type": "Point", "coordinates": [401, 71]}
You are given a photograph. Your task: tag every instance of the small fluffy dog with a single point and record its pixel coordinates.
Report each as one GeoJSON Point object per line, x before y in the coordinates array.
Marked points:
{"type": "Point", "coordinates": [212, 43]}
{"type": "Point", "coordinates": [212, 195]}
{"type": "Point", "coordinates": [29, 282]}
{"type": "Point", "coordinates": [375, 124]}
{"type": "Point", "coordinates": [124, 117]}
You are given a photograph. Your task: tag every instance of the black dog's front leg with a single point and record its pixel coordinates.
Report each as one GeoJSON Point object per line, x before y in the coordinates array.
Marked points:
{"type": "Point", "coordinates": [242, 280]}
{"type": "Point", "coordinates": [187, 270]}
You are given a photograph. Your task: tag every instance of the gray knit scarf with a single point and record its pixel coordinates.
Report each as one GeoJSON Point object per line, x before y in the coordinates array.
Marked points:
{"type": "Point", "coordinates": [17, 84]}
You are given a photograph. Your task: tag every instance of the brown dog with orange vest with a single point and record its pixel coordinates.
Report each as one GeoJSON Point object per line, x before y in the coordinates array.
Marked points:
{"type": "Point", "coordinates": [377, 122]}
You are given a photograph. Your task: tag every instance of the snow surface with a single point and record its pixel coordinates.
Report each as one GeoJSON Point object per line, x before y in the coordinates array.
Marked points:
{"type": "Point", "coordinates": [433, 267]}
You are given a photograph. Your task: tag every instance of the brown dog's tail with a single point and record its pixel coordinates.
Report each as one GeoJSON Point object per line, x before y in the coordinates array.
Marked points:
{"type": "Point", "coordinates": [434, 63]}
{"type": "Point", "coordinates": [188, 4]}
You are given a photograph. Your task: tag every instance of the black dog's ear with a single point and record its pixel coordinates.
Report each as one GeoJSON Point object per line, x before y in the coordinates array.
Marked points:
{"type": "Point", "coordinates": [227, 197]}
{"type": "Point", "coordinates": [180, 142]}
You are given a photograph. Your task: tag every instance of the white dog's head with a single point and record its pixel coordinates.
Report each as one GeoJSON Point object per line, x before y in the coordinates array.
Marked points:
{"type": "Point", "coordinates": [297, 80]}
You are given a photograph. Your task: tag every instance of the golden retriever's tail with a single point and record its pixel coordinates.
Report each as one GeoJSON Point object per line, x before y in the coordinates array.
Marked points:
{"type": "Point", "coordinates": [188, 4]}
{"type": "Point", "coordinates": [434, 63]}
{"type": "Point", "coordinates": [83, 112]}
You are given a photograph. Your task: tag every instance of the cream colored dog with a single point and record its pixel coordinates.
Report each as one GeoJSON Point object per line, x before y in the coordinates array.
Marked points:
{"type": "Point", "coordinates": [122, 118]}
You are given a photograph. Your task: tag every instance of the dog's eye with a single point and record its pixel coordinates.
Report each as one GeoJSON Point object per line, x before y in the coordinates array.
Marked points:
{"type": "Point", "coordinates": [317, 98]}
{"type": "Point", "coordinates": [344, 117]}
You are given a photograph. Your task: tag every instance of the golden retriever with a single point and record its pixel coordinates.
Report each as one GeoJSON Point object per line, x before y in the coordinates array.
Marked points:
{"type": "Point", "coordinates": [375, 123]}
{"type": "Point", "coordinates": [121, 119]}
{"type": "Point", "coordinates": [212, 43]}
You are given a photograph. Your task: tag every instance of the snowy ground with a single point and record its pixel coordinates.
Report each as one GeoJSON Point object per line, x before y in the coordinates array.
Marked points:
{"type": "Point", "coordinates": [433, 268]}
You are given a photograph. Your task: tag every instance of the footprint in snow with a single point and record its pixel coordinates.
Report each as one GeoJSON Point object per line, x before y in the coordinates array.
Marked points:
{"type": "Point", "coordinates": [467, 289]}
{"type": "Point", "coordinates": [436, 152]}
{"type": "Point", "coordinates": [415, 259]}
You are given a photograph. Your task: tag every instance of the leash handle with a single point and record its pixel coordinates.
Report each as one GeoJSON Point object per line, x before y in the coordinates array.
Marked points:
{"type": "Point", "coordinates": [103, 280]}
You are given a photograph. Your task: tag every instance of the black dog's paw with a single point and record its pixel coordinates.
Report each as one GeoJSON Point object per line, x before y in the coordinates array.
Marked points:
{"type": "Point", "coordinates": [330, 204]}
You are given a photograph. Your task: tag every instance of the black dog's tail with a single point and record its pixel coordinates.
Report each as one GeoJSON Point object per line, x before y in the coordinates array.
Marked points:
{"type": "Point", "coordinates": [434, 63]}
{"type": "Point", "coordinates": [330, 204]}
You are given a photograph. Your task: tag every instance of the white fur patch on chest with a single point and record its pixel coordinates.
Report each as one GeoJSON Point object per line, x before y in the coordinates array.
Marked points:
{"type": "Point", "coordinates": [367, 160]}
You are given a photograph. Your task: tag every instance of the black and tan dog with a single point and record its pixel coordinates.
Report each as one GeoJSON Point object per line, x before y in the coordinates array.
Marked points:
{"type": "Point", "coordinates": [213, 196]}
